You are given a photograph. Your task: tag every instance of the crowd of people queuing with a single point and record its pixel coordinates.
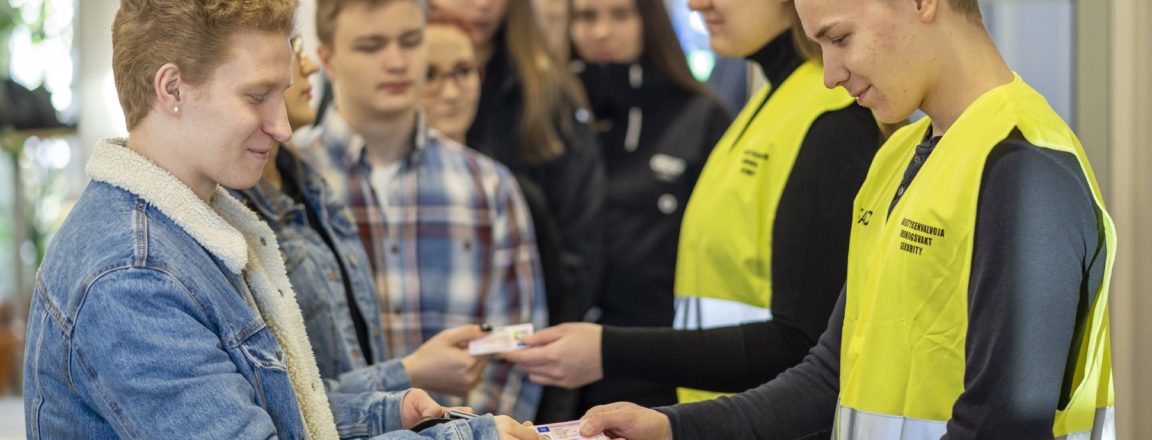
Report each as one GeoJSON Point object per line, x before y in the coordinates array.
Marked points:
{"type": "Point", "coordinates": [247, 265]}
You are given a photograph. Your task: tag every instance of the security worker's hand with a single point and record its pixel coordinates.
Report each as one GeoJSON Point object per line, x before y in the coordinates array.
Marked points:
{"type": "Point", "coordinates": [567, 355]}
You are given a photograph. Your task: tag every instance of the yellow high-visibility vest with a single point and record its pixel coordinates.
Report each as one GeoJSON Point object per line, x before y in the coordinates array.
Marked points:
{"type": "Point", "coordinates": [906, 314]}
{"type": "Point", "coordinates": [726, 236]}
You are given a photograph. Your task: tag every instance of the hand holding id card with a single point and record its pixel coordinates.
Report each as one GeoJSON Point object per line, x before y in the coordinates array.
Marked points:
{"type": "Point", "coordinates": [501, 339]}
{"type": "Point", "coordinates": [565, 431]}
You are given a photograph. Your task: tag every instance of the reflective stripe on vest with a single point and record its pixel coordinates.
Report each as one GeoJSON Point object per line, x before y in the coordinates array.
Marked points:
{"type": "Point", "coordinates": [902, 352]}
{"type": "Point", "coordinates": [858, 425]}
{"type": "Point", "coordinates": [1104, 427]}
{"type": "Point", "coordinates": [726, 236]}
{"type": "Point", "coordinates": [852, 424]}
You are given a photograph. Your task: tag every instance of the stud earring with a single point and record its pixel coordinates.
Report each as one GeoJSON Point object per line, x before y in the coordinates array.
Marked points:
{"type": "Point", "coordinates": [176, 109]}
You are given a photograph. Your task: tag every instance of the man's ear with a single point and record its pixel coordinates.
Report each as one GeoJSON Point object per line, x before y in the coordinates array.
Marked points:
{"type": "Point", "coordinates": [926, 9]}
{"type": "Point", "coordinates": [169, 84]}
{"type": "Point", "coordinates": [324, 53]}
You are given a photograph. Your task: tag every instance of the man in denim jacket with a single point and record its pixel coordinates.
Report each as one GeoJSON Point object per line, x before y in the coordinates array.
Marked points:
{"type": "Point", "coordinates": [332, 276]}
{"type": "Point", "coordinates": [162, 309]}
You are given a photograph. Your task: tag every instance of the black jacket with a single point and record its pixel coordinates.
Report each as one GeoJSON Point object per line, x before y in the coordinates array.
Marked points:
{"type": "Point", "coordinates": [655, 138]}
{"type": "Point", "coordinates": [564, 194]}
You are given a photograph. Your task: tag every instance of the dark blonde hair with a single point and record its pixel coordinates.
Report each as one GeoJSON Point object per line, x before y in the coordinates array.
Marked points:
{"type": "Point", "coordinates": [328, 10]}
{"type": "Point", "coordinates": [192, 34]}
{"type": "Point", "coordinates": [551, 93]}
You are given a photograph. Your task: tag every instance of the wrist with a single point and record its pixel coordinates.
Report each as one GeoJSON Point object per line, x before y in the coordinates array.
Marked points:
{"type": "Point", "coordinates": [411, 368]}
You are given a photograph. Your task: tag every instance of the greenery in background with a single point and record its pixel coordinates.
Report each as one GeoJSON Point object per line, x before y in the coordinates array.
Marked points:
{"type": "Point", "coordinates": [10, 18]}
{"type": "Point", "coordinates": [38, 207]}
{"type": "Point", "coordinates": [42, 183]}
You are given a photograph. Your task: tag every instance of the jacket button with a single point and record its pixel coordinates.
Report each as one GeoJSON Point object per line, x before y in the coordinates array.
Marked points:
{"type": "Point", "coordinates": [395, 249]}
{"type": "Point", "coordinates": [667, 203]}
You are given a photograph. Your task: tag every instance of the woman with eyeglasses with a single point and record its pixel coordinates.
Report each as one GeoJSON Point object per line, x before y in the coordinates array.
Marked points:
{"type": "Point", "coordinates": [453, 87]}
{"type": "Point", "coordinates": [532, 117]}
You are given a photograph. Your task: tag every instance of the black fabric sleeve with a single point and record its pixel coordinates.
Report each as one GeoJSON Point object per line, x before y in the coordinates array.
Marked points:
{"type": "Point", "coordinates": [810, 237]}
{"type": "Point", "coordinates": [799, 404]}
{"type": "Point", "coordinates": [1037, 263]}
{"type": "Point", "coordinates": [809, 266]}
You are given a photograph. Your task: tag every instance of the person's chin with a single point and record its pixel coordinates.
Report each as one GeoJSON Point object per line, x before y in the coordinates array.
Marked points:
{"type": "Point", "coordinates": [241, 183]}
{"type": "Point", "coordinates": [392, 107]}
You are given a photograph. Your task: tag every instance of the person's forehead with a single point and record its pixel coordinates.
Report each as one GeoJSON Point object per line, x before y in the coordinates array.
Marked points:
{"type": "Point", "coordinates": [586, 4]}
{"type": "Point", "coordinates": [258, 59]}
{"type": "Point", "coordinates": [360, 19]}
{"type": "Point", "coordinates": [817, 16]}
{"type": "Point", "coordinates": [448, 36]}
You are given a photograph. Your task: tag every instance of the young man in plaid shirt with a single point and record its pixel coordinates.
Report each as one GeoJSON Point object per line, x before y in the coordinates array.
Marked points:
{"type": "Point", "coordinates": [446, 228]}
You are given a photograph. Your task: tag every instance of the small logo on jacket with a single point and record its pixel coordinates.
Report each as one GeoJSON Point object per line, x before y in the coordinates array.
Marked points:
{"type": "Point", "coordinates": [667, 168]}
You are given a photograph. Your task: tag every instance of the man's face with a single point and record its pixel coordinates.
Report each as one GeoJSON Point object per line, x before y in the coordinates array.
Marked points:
{"type": "Point", "coordinates": [378, 58]}
{"type": "Point", "coordinates": [236, 117]}
{"type": "Point", "coordinates": [874, 49]}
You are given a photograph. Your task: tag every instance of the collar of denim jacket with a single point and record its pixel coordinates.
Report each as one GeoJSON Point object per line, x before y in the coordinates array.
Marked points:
{"type": "Point", "coordinates": [113, 163]}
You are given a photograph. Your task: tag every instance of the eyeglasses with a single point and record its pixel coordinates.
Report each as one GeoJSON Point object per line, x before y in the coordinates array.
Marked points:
{"type": "Point", "coordinates": [464, 75]}
{"type": "Point", "coordinates": [298, 47]}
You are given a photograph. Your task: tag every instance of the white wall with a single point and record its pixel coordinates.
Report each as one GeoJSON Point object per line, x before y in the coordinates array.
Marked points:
{"type": "Point", "coordinates": [1131, 208]}
{"type": "Point", "coordinates": [100, 112]}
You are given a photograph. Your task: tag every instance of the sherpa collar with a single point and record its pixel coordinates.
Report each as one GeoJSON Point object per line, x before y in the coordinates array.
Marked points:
{"type": "Point", "coordinates": [113, 163]}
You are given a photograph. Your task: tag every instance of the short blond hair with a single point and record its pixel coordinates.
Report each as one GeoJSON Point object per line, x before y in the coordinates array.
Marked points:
{"type": "Point", "coordinates": [192, 34]}
{"type": "Point", "coordinates": [328, 10]}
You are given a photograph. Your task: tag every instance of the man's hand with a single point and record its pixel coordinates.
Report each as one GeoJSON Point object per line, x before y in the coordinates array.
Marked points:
{"type": "Point", "coordinates": [442, 364]}
{"type": "Point", "coordinates": [511, 430]}
{"type": "Point", "coordinates": [626, 420]}
{"type": "Point", "coordinates": [567, 355]}
{"type": "Point", "coordinates": [417, 406]}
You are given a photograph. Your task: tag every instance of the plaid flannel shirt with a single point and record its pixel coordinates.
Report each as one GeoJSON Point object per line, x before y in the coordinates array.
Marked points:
{"type": "Point", "coordinates": [451, 244]}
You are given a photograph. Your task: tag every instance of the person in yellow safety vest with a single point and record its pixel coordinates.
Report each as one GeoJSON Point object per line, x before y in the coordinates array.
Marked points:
{"type": "Point", "coordinates": [976, 305]}
{"type": "Point", "coordinates": [764, 231]}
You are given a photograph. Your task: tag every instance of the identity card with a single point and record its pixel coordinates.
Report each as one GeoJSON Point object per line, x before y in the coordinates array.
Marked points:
{"type": "Point", "coordinates": [565, 431]}
{"type": "Point", "coordinates": [501, 339]}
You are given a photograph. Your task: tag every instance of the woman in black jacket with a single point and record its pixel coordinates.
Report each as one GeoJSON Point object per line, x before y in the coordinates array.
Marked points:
{"type": "Point", "coordinates": [656, 125]}
{"type": "Point", "coordinates": [533, 117]}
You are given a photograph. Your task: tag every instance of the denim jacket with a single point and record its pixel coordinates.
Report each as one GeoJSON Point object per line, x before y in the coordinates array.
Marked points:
{"type": "Point", "coordinates": [317, 270]}
{"type": "Point", "coordinates": [156, 315]}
